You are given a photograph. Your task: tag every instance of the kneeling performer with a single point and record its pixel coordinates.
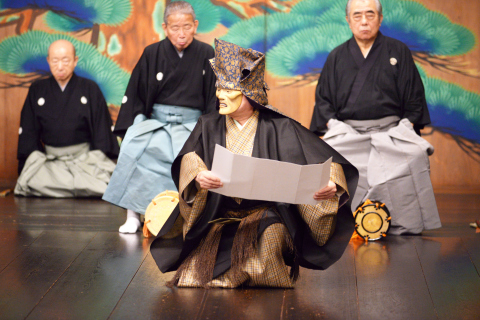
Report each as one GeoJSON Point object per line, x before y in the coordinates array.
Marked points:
{"type": "Point", "coordinates": [256, 241]}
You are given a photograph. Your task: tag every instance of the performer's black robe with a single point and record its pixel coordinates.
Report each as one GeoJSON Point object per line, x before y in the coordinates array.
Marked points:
{"type": "Point", "coordinates": [277, 138]}
{"type": "Point", "coordinates": [161, 76]}
{"type": "Point", "coordinates": [59, 118]}
{"type": "Point", "coordinates": [392, 85]}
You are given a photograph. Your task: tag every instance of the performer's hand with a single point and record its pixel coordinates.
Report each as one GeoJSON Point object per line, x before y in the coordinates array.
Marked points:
{"type": "Point", "coordinates": [326, 193]}
{"type": "Point", "coordinates": [207, 180]}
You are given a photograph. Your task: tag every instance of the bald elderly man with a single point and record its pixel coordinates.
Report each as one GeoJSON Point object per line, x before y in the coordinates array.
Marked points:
{"type": "Point", "coordinates": [65, 137]}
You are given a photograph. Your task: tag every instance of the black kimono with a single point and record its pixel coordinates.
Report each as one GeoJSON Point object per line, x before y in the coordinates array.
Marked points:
{"type": "Point", "coordinates": [59, 118]}
{"type": "Point", "coordinates": [65, 139]}
{"type": "Point", "coordinates": [156, 79]}
{"type": "Point", "coordinates": [390, 85]}
{"type": "Point", "coordinates": [165, 96]}
{"type": "Point", "coordinates": [279, 138]}
{"type": "Point", "coordinates": [370, 105]}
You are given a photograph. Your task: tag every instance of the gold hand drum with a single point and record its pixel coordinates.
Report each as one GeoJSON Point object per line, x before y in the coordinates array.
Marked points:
{"type": "Point", "coordinates": [159, 210]}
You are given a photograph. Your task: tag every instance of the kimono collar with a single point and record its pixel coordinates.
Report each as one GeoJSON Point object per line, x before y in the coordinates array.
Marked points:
{"type": "Point", "coordinates": [70, 83]}
{"type": "Point", "coordinates": [357, 53]}
{"type": "Point", "coordinates": [174, 50]}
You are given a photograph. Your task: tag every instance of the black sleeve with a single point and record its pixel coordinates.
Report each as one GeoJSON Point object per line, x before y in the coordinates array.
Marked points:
{"type": "Point", "coordinates": [29, 131]}
{"type": "Point", "coordinates": [412, 92]}
{"type": "Point", "coordinates": [324, 98]}
{"type": "Point", "coordinates": [135, 99]}
{"type": "Point", "coordinates": [209, 86]}
{"type": "Point", "coordinates": [101, 124]}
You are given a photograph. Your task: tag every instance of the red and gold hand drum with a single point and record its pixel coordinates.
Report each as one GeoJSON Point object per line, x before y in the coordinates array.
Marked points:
{"type": "Point", "coordinates": [372, 220]}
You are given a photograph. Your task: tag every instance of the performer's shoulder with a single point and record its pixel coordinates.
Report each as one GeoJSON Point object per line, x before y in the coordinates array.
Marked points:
{"type": "Point", "coordinates": [86, 83]}
{"type": "Point", "coordinates": [278, 118]}
{"type": "Point", "coordinates": [38, 84]}
{"type": "Point", "coordinates": [339, 48]}
{"type": "Point", "coordinates": [292, 129]}
{"type": "Point", "coordinates": [285, 122]}
{"type": "Point", "coordinates": [153, 48]}
{"type": "Point", "coordinates": [203, 47]}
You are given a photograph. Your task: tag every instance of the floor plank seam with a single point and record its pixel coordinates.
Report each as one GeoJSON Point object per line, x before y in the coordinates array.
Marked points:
{"type": "Point", "coordinates": [20, 253]}
{"type": "Point", "coordinates": [469, 256]}
{"type": "Point", "coordinates": [202, 304]}
{"type": "Point", "coordinates": [282, 308]}
{"type": "Point", "coordinates": [43, 279]}
{"type": "Point", "coordinates": [53, 284]}
{"type": "Point", "coordinates": [356, 285]}
{"type": "Point", "coordinates": [425, 278]}
{"type": "Point", "coordinates": [129, 283]}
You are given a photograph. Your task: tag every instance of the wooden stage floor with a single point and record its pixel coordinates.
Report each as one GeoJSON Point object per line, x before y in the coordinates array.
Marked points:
{"type": "Point", "coordinates": [64, 259]}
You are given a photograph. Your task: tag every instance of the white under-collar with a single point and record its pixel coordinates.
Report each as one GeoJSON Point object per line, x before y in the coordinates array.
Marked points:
{"type": "Point", "coordinates": [63, 87]}
{"type": "Point", "coordinates": [180, 53]}
{"type": "Point", "coordinates": [368, 51]}
{"type": "Point", "coordinates": [239, 126]}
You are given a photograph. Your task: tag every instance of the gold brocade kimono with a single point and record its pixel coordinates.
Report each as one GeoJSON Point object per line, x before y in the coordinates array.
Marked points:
{"type": "Point", "coordinates": [263, 263]}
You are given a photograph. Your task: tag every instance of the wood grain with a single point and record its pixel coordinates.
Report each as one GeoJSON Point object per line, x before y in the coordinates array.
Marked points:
{"type": "Point", "coordinates": [243, 303]}
{"type": "Point", "coordinates": [14, 242]}
{"type": "Point", "coordinates": [453, 281]}
{"type": "Point", "coordinates": [325, 294]}
{"type": "Point", "coordinates": [92, 285]}
{"type": "Point", "coordinates": [48, 213]}
{"type": "Point", "coordinates": [472, 245]}
{"type": "Point", "coordinates": [29, 277]}
{"type": "Point", "coordinates": [54, 273]}
{"type": "Point", "coordinates": [147, 297]}
{"type": "Point", "coordinates": [390, 281]}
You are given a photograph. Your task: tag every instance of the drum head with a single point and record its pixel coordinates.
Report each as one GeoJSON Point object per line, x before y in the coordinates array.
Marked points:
{"type": "Point", "coordinates": [159, 210]}
{"type": "Point", "coordinates": [372, 220]}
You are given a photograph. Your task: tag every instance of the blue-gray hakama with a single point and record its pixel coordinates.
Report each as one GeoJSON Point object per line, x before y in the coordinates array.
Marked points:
{"type": "Point", "coordinates": [146, 156]}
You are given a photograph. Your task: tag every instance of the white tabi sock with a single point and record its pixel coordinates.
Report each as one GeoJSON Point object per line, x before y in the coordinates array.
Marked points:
{"type": "Point", "coordinates": [132, 224]}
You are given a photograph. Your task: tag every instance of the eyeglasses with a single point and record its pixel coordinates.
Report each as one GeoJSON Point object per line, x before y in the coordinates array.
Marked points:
{"type": "Point", "coordinates": [357, 16]}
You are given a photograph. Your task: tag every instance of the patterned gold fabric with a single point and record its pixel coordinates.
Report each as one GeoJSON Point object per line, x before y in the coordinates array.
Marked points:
{"type": "Point", "coordinates": [191, 165]}
{"type": "Point", "coordinates": [241, 141]}
{"type": "Point", "coordinates": [266, 267]}
{"type": "Point", "coordinates": [321, 217]}
{"type": "Point", "coordinates": [240, 69]}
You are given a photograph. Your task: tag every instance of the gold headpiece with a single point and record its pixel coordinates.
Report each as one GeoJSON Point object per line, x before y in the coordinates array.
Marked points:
{"type": "Point", "coordinates": [240, 69]}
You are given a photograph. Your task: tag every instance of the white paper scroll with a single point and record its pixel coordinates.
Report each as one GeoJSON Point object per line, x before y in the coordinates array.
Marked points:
{"type": "Point", "coordinates": [270, 180]}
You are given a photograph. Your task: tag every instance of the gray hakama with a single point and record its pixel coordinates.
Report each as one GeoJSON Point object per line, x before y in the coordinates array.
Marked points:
{"type": "Point", "coordinates": [394, 168]}
{"type": "Point", "coordinates": [146, 156]}
{"type": "Point", "coordinates": [63, 172]}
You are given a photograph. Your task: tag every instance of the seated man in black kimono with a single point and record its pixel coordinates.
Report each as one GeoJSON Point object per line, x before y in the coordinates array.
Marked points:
{"type": "Point", "coordinates": [227, 241]}
{"type": "Point", "coordinates": [370, 101]}
{"type": "Point", "coordinates": [65, 135]}
{"type": "Point", "coordinates": [170, 87]}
